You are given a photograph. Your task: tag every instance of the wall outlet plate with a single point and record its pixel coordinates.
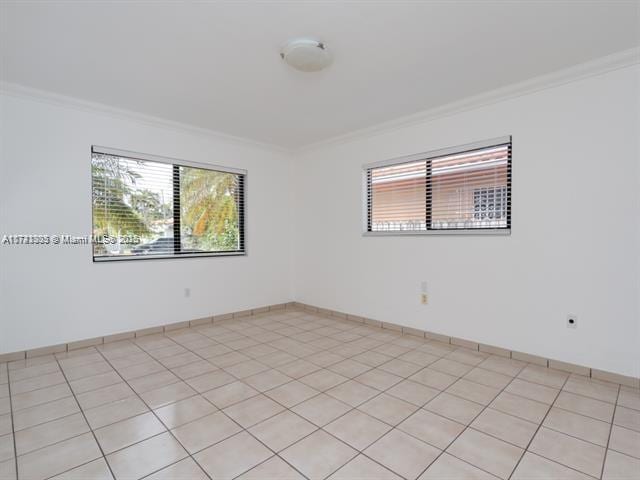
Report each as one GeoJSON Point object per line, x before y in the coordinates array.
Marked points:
{"type": "Point", "coordinates": [572, 321]}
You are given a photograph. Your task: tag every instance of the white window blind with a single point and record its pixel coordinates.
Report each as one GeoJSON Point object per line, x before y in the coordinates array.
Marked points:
{"type": "Point", "coordinates": [151, 207]}
{"type": "Point", "coordinates": [458, 189]}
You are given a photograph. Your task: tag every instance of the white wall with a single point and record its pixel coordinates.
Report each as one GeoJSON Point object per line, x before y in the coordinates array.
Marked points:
{"type": "Point", "coordinates": [51, 295]}
{"type": "Point", "coordinates": [575, 231]}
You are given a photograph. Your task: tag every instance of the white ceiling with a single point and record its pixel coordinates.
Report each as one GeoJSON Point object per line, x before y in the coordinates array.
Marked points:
{"type": "Point", "coordinates": [216, 65]}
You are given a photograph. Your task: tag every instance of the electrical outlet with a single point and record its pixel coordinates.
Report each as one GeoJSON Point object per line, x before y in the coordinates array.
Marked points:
{"type": "Point", "coordinates": [572, 321]}
{"type": "Point", "coordinates": [424, 299]}
{"type": "Point", "coordinates": [187, 292]}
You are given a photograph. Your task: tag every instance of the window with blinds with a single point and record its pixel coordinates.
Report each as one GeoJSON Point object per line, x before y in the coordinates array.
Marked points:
{"type": "Point", "coordinates": [151, 207]}
{"type": "Point", "coordinates": [461, 189]}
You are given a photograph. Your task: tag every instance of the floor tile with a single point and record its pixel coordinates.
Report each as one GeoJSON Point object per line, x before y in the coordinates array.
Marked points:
{"type": "Point", "coordinates": [233, 456]}
{"type": "Point", "coordinates": [585, 428]}
{"type": "Point", "coordinates": [321, 409]}
{"type": "Point", "coordinates": [291, 393]}
{"type": "Point", "coordinates": [431, 428]}
{"type": "Point", "coordinates": [419, 357]}
{"type": "Point", "coordinates": [486, 452]}
{"type": "Point", "coordinates": [318, 455]}
{"type": "Point", "coordinates": [8, 469]}
{"type": "Point", "coordinates": [127, 432]}
{"type": "Point", "coordinates": [267, 380]}
{"type": "Point", "coordinates": [104, 395]}
{"type": "Point", "coordinates": [400, 367]}
{"type": "Point", "coordinates": [454, 408]}
{"type": "Point", "coordinates": [488, 378]}
{"type": "Point", "coordinates": [297, 368]}
{"type": "Point", "coordinates": [352, 393]}
{"type": "Point", "coordinates": [35, 383]}
{"type": "Point", "coordinates": [467, 356]}
{"type": "Point", "coordinates": [186, 469]}
{"type": "Point", "coordinates": [349, 368]}
{"type": "Point", "coordinates": [168, 394]}
{"type": "Point", "coordinates": [38, 397]}
{"type": "Point", "coordinates": [357, 429]}
{"type": "Point", "coordinates": [378, 379]}
{"type": "Point", "coordinates": [205, 431]}
{"type": "Point", "coordinates": [535, 467]}
{"type": "Point", "coordinates": [254, 410]}
{"type": "Point", "coordinates": [323, 380]}
{"type": "Point", "coordinates": [5, 424]}
{"type": "Point", "coordinates": [520, 407]}
{"type": "Point", "coordinates": [115, 411]}
{"type": "Point", "coordinates": [569, 451]}
{"type": "Point", "coordinates": [473, 391]}
{"type": "Point", "coordinates": [629, 398]}
{"type": "Point", "coordinates": [184, 411]}
{"type": "Point", "coordinates": [603, 391]}
{"type": "Point", "coordinates": [543, 375]}
{"type": "Point", "coordinates": [620, 467]}
{"type": "Point", "coordinates": [46, 412]}
{"type": "Point", "coordinates": [275, 469]}
{"type": "Point", "coordinates": [230, 394]}
{"type": "Point", "coordinates": [146, 457]}
{"type": "Point", "coordinates": [533, 391]}
{"type": "Point", "coordinates": [363, 468]}
{"type": "Point", "coordinates": [194, 369]}
{"type": "Point", "coordinates": [433, 378]}
{"type": "Point", "coordinates": [58, 458]}
{"type": "Point", "coordinates": [627, 418]}
{"type": "Point", "coordinates": [389, 409]}
{"type": "Point", "coordinates": [506, 427]}
{"type": "Point", "coordinates": [209, 381]}
{"type": "Point", "coordinates": [373, 359]}
{"type": "Point", "coordinates": [585, 406]}
{"type": "Point", "coordinates": [246, 369]}
{"type": "Point", "coordinates": [506, 366]}
{"type": "Point", "coordinates": [625, 441]}
{"type": "Point", "coordinates": [451, 468]}
{"type": "Point", "coordinates": [94, 470]}
{"type": "Point", "coordinates": [451, 367]}
{"type": "Point", "coordinates": [413, 392]}
{"type": "Point", "coordinates": [94, 382]}
{"type": "Point", "coordinates": [6, 447]}
{"type": "Point", "coordinates": [282, 430]}
{"type": "Point", "coordinates": [403, 454]}
{"type": "Point", "coordinates": [49, 433]}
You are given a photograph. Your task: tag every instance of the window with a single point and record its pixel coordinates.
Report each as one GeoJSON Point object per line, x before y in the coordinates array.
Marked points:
{"type": "Point", "coordinates": [455, 190]}
{"type": "Point", "coordinates": [150, 207]}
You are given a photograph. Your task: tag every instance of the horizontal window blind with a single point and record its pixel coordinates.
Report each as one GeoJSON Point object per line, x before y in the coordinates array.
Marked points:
{"type": "Point", "coordinates": [146, 208]}
{"type": "Point", "coordinates": [459, 189]}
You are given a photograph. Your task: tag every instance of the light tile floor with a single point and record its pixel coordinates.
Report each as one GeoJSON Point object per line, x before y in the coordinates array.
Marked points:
{"type": "Point", "coordinates": [289, 395]}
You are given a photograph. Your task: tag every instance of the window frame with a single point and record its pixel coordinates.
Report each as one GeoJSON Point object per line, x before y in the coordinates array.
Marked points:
{"type": "Point", "coordinates": [426, 156]}
{"type": "Point", "coordinates": [242, 214]}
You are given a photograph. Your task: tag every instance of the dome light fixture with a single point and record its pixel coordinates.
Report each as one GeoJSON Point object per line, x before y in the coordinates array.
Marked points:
{"type": "Point", "coordinates": [306, 54]}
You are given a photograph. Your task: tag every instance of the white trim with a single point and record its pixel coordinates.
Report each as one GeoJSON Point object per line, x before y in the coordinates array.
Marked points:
{"type": "Point", "coordinates": [168, 160]}
{"type": "Point", "coordinates": [20, 91]}
{"type": "Point", "coordinates": [615, 61]}
{"type": "Point", "coordinates": [452, 231]}
{"type": "Point", "coordinates": [441, 152]}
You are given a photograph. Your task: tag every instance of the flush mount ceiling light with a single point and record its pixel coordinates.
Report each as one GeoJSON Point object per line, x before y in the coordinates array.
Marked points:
{"type": "Point", "coordinates": [306, 54]}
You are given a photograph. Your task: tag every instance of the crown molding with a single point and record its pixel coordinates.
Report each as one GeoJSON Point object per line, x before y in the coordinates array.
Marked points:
{"type": "Point", "coordinates": [622, 59]}
{"type": "Point", "coordinates": [599, 66]}
{"type": "Point", "coordinates": [20, 91]}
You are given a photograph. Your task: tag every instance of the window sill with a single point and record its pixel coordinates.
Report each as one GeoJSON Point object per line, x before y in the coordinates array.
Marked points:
{"type": "Point", "coordinates": [471, 232]}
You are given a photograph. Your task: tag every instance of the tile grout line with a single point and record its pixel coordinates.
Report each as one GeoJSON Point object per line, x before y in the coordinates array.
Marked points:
{"type": "Point", "coordinates": [444, 450]}
{"type": "Point", "coordinates": [13, 425]}
{"type": "Point", "coordinates": [320, 367]}
{"type": "Point", "coordinates": [526, 449]}
{"type": "Point", "coordinates": [89, 426]}
{"type": "Point", "coordinates": [606, 448]}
